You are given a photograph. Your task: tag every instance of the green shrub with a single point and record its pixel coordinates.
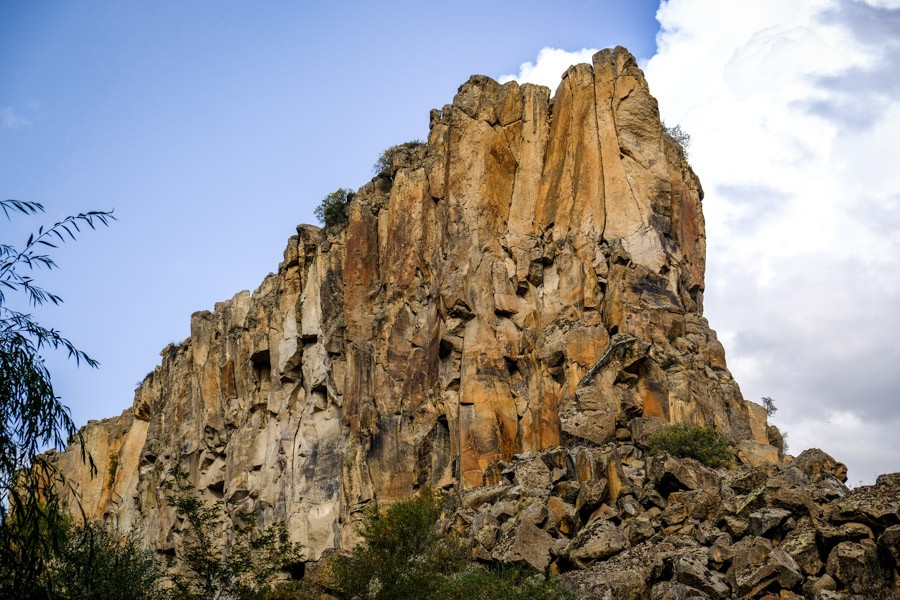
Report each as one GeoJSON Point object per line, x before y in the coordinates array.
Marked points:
{"type": "Point", "coordinates": [96, 563]}
{"type": "Point", "coordinates": [81, 563]}
{"type": "Point", "coordinates": [29, 541]}
{"type": "Point", "coordinates": [692, 441]}
{"type": "Point", "coordinates": [383, 166]}
{"type": "Point", "coordinates": [402, 556]}
{"type": "Point", "coordinates": [512, 583]}
{"type": "Point", "coordinates": [333, 208]}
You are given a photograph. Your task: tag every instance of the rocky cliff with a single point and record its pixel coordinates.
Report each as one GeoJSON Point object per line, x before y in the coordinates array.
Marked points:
{"type": "Point", "coordinates": [530, 277]}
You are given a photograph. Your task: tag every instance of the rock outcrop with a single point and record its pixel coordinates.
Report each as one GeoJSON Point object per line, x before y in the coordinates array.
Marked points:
{"type": "Point", "coordinates": [531, 277]}
{"type": "Point", "coordinates": [615, 523]}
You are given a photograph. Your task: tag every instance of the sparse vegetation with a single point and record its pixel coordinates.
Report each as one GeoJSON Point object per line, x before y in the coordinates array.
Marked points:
{"type": "Point", "coordinates": [477, 582]}
{"type": "Point", "coordinates": [247, 569]}
{"type": "Point", "coordinates": [333, 208]}
{"type": "Point", "coordinates": [769, 405]}
{"type": "Point", "coordinates": [113, 467]}
{"type": "Point", "coordinates": [692, 441]}
{"type": "Point", "coordinates": [383, 166]}
{"type": "Point", "coordinates": [678, 134]}
{"type": "Point", "coordinates": [403, 556]}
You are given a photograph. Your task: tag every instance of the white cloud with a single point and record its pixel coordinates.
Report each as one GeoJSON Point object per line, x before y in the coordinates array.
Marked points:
{"type": "Point", "coordinates": [882, 3]}
{"type": "Point", "coordinates": [794, 118]}
{"type": "Point", "coordinates": [794, 113]}
{"type": "Point", "coordinates": [11, 120]}
{"type": "Point", "coordinates": [551, 63]}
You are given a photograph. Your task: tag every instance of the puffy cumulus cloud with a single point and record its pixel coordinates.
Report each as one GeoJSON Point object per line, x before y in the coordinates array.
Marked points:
{"type": "Point", "coordinates": [794, 113]}
{"type": "Point", "coordinates": [551, 63]}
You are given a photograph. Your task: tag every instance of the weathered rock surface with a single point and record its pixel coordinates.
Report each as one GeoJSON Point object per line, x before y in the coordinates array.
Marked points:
{"type": "Point", "coordinates": [530, 277]}
{"type": "Point", "coordinates": [681, 544]}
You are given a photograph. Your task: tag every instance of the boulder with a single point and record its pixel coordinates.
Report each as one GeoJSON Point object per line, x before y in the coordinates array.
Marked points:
{"type": "Point", "coordinates": [670, 474]}
{"type": "Point", "coordinates": [814, 463]}
{"type": "Point", "coordinates": [563, 515]}
{"type": "Point", "coordinates": [801, 544]}
{"type": "Point", "coordinates": [691, 571]}
{"type": "Point", "coordinates": [757, 454]}
{"type": "Point", "coordinates": [858, 568]}
{"type": "Point", "coordinates": [526, 543]}
{"type": "Point", "coordinates": [889, 542]}
{"type": "Point", "coordinates": [591, 495]}
{"type": "Point", "coordinates": [875, 505]}
{"type": "Point", "coordinates": [627, 576]}
{"type": "Point", "coordinates": [598, 540]}
{"type": "Point", "coordinates": [767, 521]}
{"type": "Point", "coordinates": [757, 565]}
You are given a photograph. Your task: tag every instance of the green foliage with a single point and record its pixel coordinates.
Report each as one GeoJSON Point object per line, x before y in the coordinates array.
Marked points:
{"type": "Point", "coordinates": [28, 542]}
{"type": "Point", "coordinates": [384, 166]}
{"type": "Point", "coordinates": [333, 208]}
{"type": "Point", "coordinates": [512, 583]}
{"type": "Point", "coordinates": [303, 589]}
{"type": "Point", "coordinates": [84, 563]}
{"type": "Point", "coordinates": [245, 570]}
{"type": "Point", "coordinates": [678, 134]}
{"type": "Point", "coordinates": [402, 556]}
{"type": "Point", "coordinates": [769, 405]}
{"type": "Point", "coordinates": [113, 467]}
{"type": "Point", "coordinates": [32, 417]}
{"type": "Point", "coordinates": [691, 441]}
{"type": "Point", "coordinates": [95, 563]}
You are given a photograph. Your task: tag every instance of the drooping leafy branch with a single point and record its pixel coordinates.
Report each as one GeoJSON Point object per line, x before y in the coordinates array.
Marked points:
{"type": "Point", "coordinates": [32, 416]}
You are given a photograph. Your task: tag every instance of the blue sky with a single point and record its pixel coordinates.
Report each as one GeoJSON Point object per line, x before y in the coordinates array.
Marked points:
{"type": "Point", "coordinates": [213, 128]}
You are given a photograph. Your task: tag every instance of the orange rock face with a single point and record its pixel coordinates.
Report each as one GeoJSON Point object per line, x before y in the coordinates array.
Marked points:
{"type": "Point", "coordinates": [532, 276]}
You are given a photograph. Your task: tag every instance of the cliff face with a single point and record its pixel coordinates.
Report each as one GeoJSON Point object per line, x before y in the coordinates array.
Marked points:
{"type": "Point", "coordinates": [532, 276]}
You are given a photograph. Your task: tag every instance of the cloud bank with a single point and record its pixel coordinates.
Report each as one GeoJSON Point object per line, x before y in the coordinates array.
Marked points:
{"type": "Point", "coordinates": [794, 114]}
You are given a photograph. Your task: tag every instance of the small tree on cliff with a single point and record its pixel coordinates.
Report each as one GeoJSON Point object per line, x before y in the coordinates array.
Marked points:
{"type": "Point", "coordinates": [333, 208]}
{"type": "Point", "coordinates": [682, 137]}
{"type": "Point", "coordinates": [32, 417]}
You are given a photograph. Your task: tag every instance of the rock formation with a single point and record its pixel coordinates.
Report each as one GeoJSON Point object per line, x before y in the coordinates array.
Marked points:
{"type": "Point", "coordinates": [614, 523]}
{"type": "Point", "coordinates": [531, 277]}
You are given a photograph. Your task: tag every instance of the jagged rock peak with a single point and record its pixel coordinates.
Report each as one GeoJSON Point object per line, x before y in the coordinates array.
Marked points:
{"type": "Point", "coordinates": [530, 277]}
